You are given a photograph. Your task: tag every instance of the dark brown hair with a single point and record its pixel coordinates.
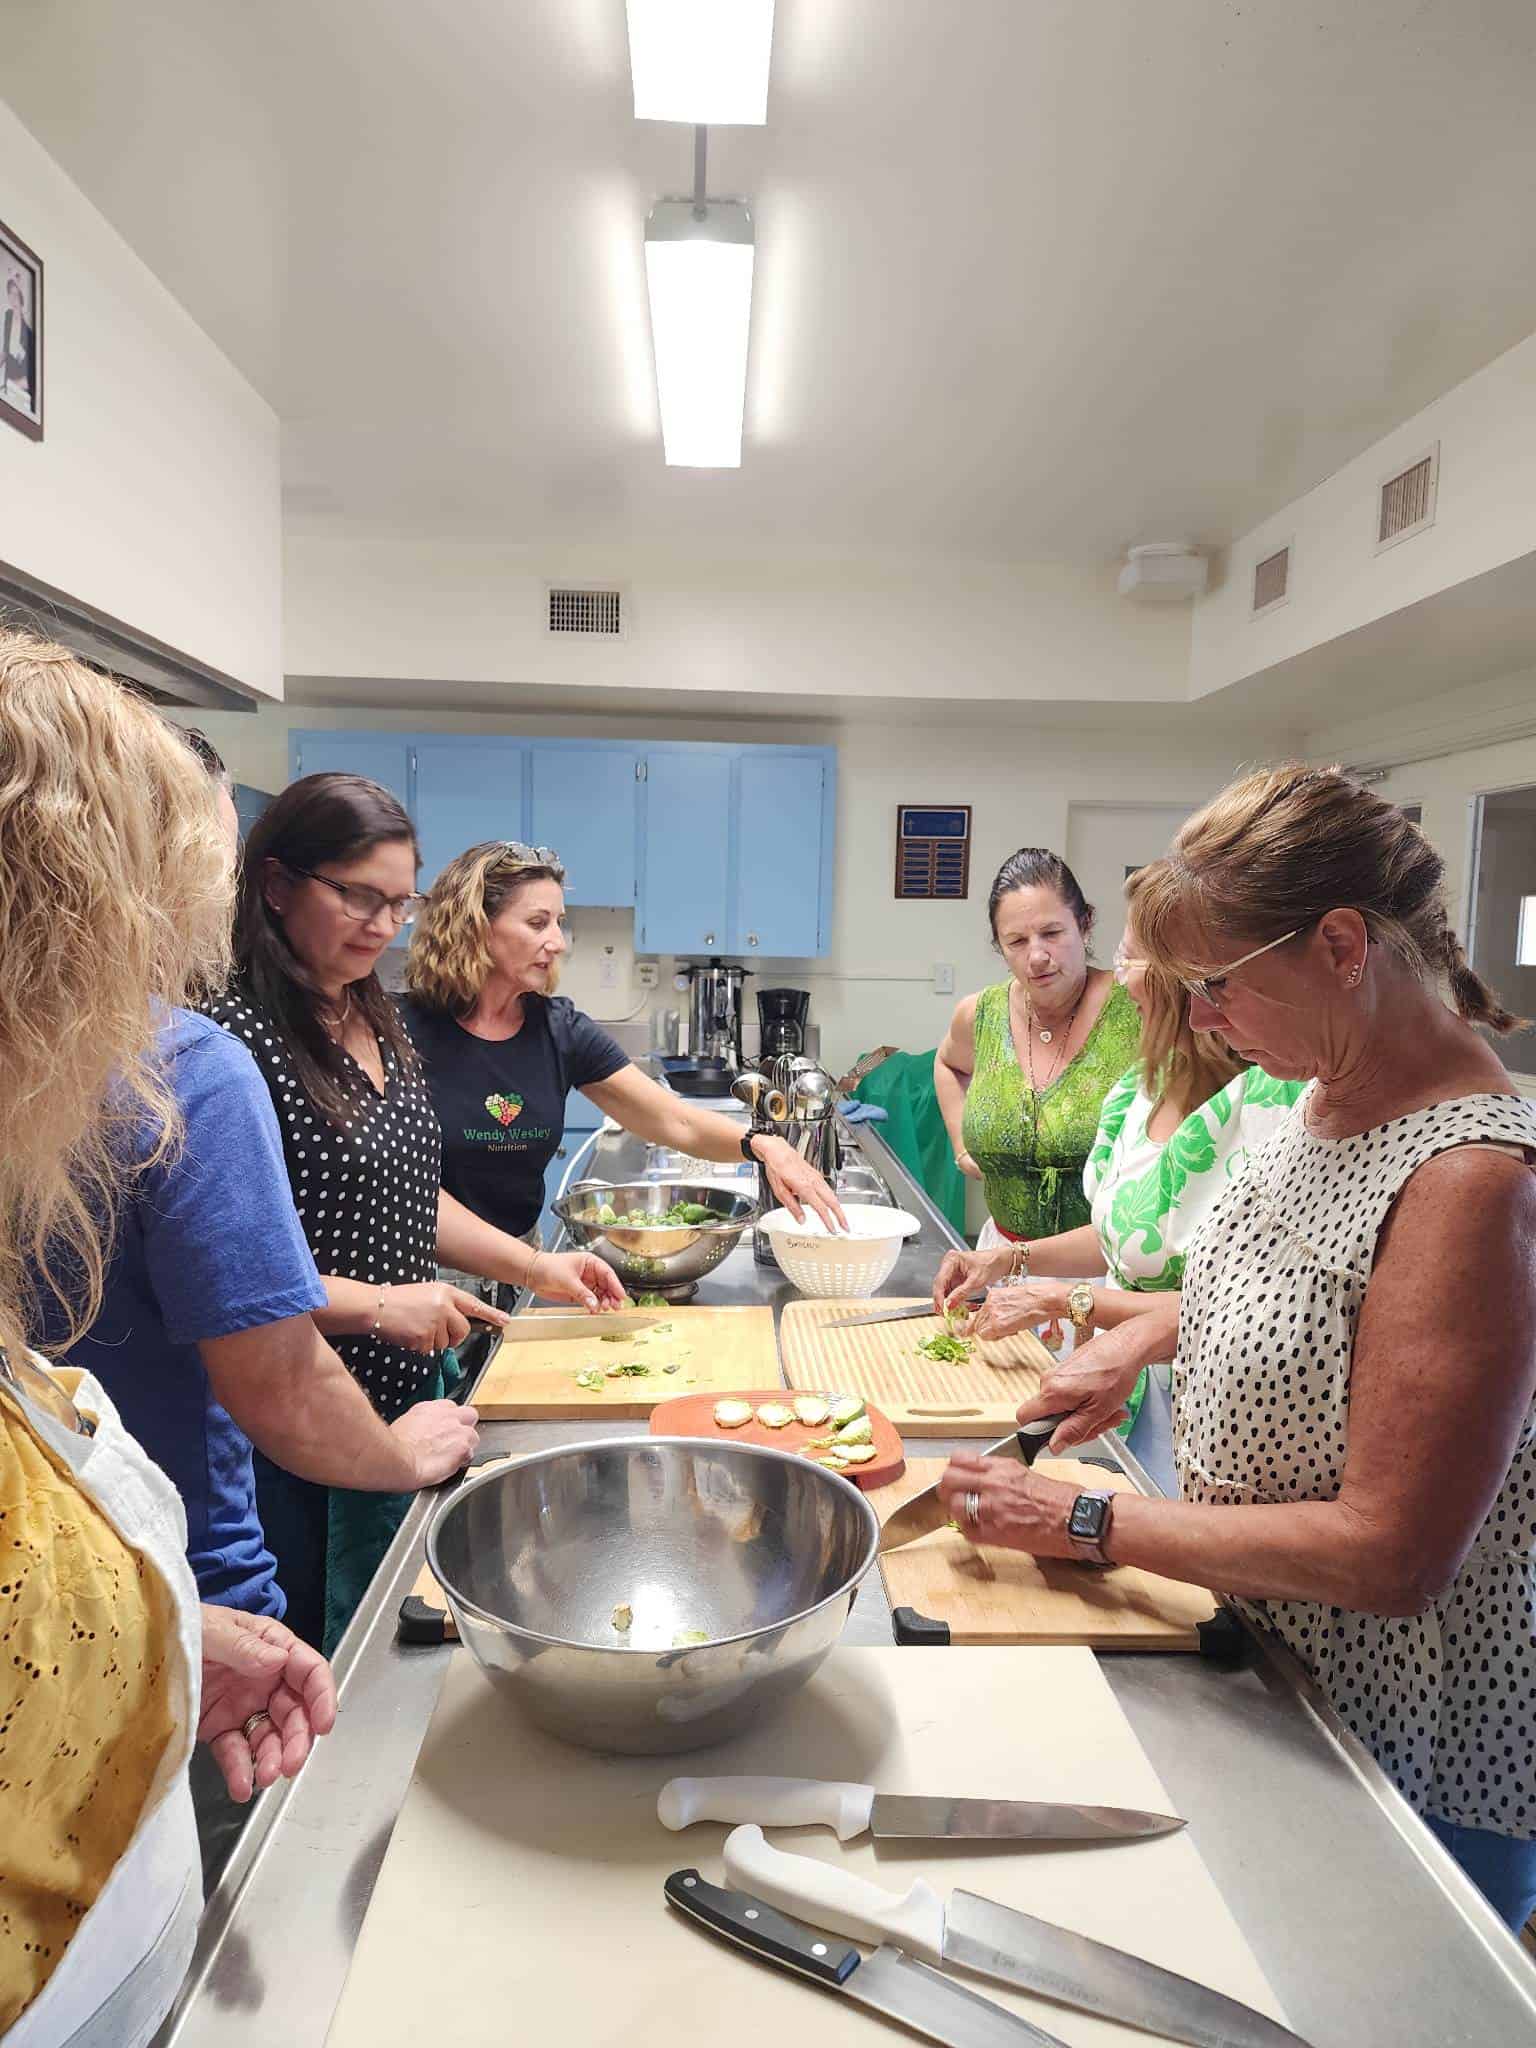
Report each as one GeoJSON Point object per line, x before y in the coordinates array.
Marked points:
{"type": "Point", "coordinates": [1279, 849]}
{"type": "Point", "coordinates": [321, 818]}
{"type": "Point", "coordinates": [1036, 867]}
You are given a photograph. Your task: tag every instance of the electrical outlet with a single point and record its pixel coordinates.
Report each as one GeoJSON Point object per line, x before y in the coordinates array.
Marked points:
{"type": "Point", "coordinates": [608, 969]}
{"type": "Point", "coordinates": [647, 974]}
{"type": "Point", "coordinates": [943, 978]}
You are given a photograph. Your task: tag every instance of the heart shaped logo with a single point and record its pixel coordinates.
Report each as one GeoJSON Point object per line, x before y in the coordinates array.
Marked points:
{"type": "Point", "coordinates": [505, 1108]}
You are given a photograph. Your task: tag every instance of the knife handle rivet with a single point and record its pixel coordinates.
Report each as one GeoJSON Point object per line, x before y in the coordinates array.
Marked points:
{"type": "Point", "coordinates": [689, 1883]}
{"type": "Point", "coordinates": [818, 1948]}
{"type": "Point", "coordinates": [751, 1913]}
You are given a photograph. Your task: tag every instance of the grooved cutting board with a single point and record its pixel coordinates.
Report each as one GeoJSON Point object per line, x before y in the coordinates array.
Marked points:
{"type": "Point", "coordinates": [881, 1362]}
{"type": "Point", "coordinates": [521, 1893]}
{"type": "Point", "coordinates": [1005, 1596]}
{"type": "Point", "coordinates": [716, 1350]}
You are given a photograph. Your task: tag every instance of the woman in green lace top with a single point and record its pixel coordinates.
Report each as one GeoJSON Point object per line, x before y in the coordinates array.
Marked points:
{"type": "Point", "coordinates": [1025, 1066]}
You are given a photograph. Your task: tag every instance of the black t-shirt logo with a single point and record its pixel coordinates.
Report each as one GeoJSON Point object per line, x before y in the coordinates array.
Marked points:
{"type": "Point", "coordinates": [505, 1108]}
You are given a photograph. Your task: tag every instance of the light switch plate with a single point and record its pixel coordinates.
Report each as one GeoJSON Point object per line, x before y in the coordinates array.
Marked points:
{"type": "Point", "coordinates": [647, 974]}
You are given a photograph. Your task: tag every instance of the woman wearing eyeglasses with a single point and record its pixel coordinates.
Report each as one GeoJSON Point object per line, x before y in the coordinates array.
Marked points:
{"type": "Point", "coordinates": [501, 1050]}
{"type": "Point", "coordinates": [1173, 1134]}
{"type": "Point", "coordinates": [329, 879]}
{"type": "Point", "coordinates": [1355, 1380]}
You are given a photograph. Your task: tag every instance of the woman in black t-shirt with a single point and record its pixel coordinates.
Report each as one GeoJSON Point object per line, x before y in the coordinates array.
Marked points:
{"type": "Point", "coordinates": [501, 1049]}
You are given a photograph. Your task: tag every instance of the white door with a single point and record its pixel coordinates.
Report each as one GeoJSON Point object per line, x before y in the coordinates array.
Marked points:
{"type": "Point", "coordinates": [1105, 843]}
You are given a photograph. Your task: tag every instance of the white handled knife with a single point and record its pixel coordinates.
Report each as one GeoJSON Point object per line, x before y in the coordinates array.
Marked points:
{"type": "Point", "coordinates": [888, 1982]}
{"type": "Point", "coordinates": [972, 1933]}
{"type": "Point", "coordinates": [851, 1810]}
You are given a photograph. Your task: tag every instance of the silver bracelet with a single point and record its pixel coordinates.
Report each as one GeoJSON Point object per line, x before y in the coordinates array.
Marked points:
{"type": "Point", "coordinates": [379, 1315]}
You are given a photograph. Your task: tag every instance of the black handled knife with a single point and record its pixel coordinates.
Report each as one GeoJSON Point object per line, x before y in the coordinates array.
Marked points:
{"type": "Point", "coordinates": [923, 1513]}
{"type": "Point", "coordinates": [888, 1982]}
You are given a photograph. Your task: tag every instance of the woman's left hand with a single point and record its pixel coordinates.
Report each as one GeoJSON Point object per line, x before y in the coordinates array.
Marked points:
{"type": "Point", "coordinates": [796, 1183]}
{"type": "Point", "coordinates": [1017, 1509]}
{"type": "Point", "coordinates": [253, 1664]}
{"type": "Point", "coordinates": [1025, 1305]}
{"type": "Point", "coordinates": [581, 1277]}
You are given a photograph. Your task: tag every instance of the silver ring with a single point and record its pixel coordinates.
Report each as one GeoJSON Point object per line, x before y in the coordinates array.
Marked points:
{"type": "Point", "coordinates": [973, 1508]}
{"type": "Point", "coordinates": [252, 1723]}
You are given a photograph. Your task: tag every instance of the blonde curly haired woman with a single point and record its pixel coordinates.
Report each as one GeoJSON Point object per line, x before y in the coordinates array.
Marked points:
{"type": "Point", "coordinates": [115, 892]}
{"type": "Point", "coordinates": [501, 1050]}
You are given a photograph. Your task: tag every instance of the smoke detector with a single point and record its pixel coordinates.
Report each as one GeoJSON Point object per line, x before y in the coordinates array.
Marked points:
{"type": "Point", "coordinates": [1162, 572]}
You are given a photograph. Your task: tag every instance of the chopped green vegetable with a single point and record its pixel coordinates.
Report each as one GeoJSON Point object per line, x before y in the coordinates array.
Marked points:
{"type": "Point", "coordinates": [946, 1350]}
{"type": "Point", "coordinates": [629, 1370]}
{"type": "Point", "coordinates": [811, 1410]}
{"type": "Point", "coordinates": [604, 1214]}
{"type": "Point", "coordinates": [590, 1379]}
{"type": "Point", "coordinates": [733, 1414]}
{"type": "Point", "coordinates": [615, 1337]}
{"type": "Point", "coordinates": [860, 1431]}
{"type": "Point", "coordinates": [686, 1638]}
{"type": "Point", "coordinates": [844, 1408]}
{"type": "Point", "coordinates": [832, 1462]}
{"type": "Point", "coordinates": [859, 1454]}
{"type": "Point", "coordinates": [623, 1617]}
{"type": "Point", "coordinates": [775, 1415]}
{"type": "Point", "coordinates": [670, 1368]}
{"type": "Point", "coordinates": [679, 1216]}
{"type": "Point", "coordinates": [653, 1301]}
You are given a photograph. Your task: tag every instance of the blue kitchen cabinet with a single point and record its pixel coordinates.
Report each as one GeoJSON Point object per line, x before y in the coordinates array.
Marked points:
{"type": "Point", "coordinates": [383, 757]}
{"type": "Point", "coordinates": [467, 790]}
{"type": "Point", "coordinates": [584, 806]}
{"type": "Point", "coordinates": [783, 808]}
{"type": "Point", "coordinates": [685, 846]}
{"type": "Point", "coordinates": [582, 1118]}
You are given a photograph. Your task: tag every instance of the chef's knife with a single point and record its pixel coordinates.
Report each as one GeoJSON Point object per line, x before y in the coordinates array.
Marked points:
{"type": "Point", "coordinates": [850, 1810]}
{"type": "Point", "coordinates": [924, 1512]}
{"type": "Point", "coordinates": [888, 1983]}
{"type": "Point", "coordinates": [542, 1329]}
{"type": "Point", "coordinates": [973, 1933]}
{"type": "Point", "coordinates": [897, 1315]}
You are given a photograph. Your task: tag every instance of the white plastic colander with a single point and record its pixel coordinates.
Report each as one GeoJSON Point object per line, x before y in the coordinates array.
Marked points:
{"type": "Point", "coordinates": [827, 1265]}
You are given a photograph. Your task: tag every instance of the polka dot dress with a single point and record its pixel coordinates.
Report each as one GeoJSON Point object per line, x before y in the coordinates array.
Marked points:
{"type": "Point", "coordinates": [1445, 1701]}
{"type": "Point", "coordinates": [366, 1192]}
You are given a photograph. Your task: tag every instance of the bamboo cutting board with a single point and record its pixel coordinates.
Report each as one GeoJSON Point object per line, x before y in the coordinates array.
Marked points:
{"type": "Point", "coordinates": [881, 1362]}
{"type": "Point", "coordinates": [715, 1350]}
{"type": "Point", "coordinates": [990, 1596]}
{"type": "Point", "coordinates": [521, 1893]}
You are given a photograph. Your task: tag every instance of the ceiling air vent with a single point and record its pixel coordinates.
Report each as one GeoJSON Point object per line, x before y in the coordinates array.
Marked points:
{"type": "Point", "coordinates": [1272, 580]}
{"type": "Point", "coordinates": [1406, 503]}
{"type": "Point", "coordinates": [596, 614]}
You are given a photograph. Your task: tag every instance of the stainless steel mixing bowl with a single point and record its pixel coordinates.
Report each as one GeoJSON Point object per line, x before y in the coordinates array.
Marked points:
{"type": "Point", "coordinates": [668, 1261]}
{"type": "Point", "coordinates": [757, 1550]}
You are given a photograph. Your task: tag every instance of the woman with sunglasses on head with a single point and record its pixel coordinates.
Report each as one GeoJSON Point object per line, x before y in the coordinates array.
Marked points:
{"type": "Point", "coordinates": [328, 881]}
{"type": "Point", "coordinates": [1173, 1133]}
{"type": "Point", "coordinates": [1355, 1379]}
{"type": "Point", "coordinates": [501, 1050]}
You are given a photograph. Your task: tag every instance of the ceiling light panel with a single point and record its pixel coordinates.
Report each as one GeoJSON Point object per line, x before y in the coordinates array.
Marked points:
{"type": "Point", "coordinates": [699, 277]}
{"type": "Point", "coordinates": [701, 61]}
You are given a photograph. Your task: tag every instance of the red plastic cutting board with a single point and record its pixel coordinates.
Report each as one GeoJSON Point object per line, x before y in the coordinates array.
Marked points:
{"type": "Point", "coordinates": [694, 1415]}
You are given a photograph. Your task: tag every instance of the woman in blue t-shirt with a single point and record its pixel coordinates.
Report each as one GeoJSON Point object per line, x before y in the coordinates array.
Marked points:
{"type": "Point", "coordinates": [501, 1050]}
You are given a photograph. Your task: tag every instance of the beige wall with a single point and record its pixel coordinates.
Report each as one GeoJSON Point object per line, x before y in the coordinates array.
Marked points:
{"type": "Point", "coordinates": [154, 494]}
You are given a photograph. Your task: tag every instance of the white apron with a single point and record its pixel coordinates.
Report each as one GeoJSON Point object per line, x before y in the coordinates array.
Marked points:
{"type": "Point", "coordinates": [130, 1953]}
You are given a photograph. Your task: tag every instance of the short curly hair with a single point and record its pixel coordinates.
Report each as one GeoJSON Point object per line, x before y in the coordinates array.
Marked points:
{"type": "Point", "coordinates": [450, 959]}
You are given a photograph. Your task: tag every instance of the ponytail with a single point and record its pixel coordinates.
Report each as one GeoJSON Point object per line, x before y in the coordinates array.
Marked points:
{"type": "Point", "coordinates": [1474, 999]}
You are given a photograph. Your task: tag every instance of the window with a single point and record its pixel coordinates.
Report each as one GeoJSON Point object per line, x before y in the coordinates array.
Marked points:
{"type": "Point", "coordinates": [1503, 939]}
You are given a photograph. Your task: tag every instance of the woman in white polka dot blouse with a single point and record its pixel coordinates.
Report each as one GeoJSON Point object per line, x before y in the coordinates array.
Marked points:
{"type": "Point", "coordinates": [1355, 1378]}
{"type": "Point", "coordinates": [329, 880]}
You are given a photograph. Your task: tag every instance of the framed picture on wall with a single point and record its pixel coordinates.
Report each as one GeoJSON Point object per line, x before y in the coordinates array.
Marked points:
{"type": "Point", "coordinates": [21, 336]}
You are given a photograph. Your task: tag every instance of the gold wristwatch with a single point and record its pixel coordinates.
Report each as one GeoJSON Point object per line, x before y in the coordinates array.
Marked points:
{"type": "Point", "coordinates": [1080, 1309]}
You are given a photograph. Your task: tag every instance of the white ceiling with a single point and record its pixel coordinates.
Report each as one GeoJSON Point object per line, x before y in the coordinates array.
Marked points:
{"type": "Point", "coordinates": [1036, 277]}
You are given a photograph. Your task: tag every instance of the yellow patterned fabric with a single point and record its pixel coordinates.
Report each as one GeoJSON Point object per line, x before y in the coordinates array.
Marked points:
{"type": "Point", "coordinates": [86, 1628]}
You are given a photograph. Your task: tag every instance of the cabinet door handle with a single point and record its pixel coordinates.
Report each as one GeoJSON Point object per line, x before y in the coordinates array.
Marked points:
{"type": "Point", "coordinates": [751, 938]}
{"type": "Point", "coordinates": [709, 938]}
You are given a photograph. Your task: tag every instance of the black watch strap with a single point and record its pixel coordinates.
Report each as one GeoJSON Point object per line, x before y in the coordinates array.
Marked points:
{"type": "Point", "coordinates": [746, 1148]}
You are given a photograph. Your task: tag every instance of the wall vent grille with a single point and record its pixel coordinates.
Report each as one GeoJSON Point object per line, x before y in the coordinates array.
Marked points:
{"type": "Point", "coordinates": [1407, 500]}
{"type": "Point", "coordinates": [596, 614]}
{"type": "Point", "coordinates": [1271, 580]}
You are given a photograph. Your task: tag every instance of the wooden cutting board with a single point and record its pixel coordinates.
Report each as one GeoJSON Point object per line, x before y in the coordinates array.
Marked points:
{"type": "Point", "coordinates": [693, 1415]}
{"type": "Point", "coordinates": [521, 1890]}
{"type": "Point", "coordinates": [992, 1596]}
{"type": "Point", "coordinates": [881, 1362]}
{"type": "Point", "coordinates": [715, 1350]}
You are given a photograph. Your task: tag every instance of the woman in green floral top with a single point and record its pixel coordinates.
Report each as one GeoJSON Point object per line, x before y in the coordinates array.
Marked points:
{"type": "Point", "coordinates": [1174, 1132]}
{"type": "Point", "coordinates": [1025, 1066]}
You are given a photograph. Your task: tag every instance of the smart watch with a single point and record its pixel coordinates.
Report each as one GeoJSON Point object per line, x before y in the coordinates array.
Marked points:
{"type": "Point", "coordinates": [1088, 1526]}
{"type": "Point", "coordinates": [746, 1148]}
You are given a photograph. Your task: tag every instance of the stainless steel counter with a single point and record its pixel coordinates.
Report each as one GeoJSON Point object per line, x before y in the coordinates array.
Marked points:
{"type": "Point", "coordinates": [1366, 1929]}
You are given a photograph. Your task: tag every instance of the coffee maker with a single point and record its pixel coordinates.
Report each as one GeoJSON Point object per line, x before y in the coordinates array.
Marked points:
{"type": "Point", "coordinates": [714, 1011]}
{"type": "Point", "coordinates": [781, 1014]}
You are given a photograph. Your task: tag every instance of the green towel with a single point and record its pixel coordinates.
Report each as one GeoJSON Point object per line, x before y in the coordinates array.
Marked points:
{"type": "Point", "coordinates": [903, 1087]}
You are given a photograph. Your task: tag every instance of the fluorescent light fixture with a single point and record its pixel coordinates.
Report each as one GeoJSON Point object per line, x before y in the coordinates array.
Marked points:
{"type": "Point", "coordinates": [702, 61]}
{"type": "Point", "coordinates": [1525, 947]}
{"type": "Point", "coordinates": [699, 276]}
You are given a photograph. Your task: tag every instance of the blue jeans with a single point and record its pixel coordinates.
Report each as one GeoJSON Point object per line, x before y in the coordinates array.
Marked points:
{"type": "Point", "coordinates": [1503, 1869]}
